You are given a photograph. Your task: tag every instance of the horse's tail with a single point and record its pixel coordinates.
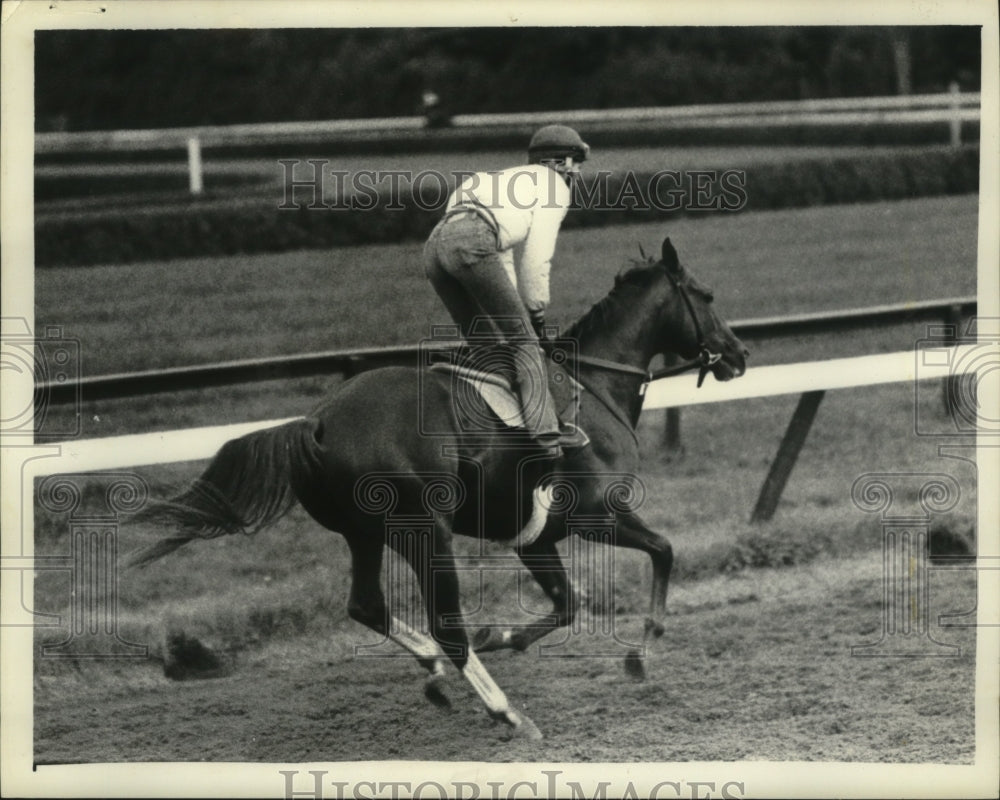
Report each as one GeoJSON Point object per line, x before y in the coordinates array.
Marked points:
{"type": "Point", "coordinates": [249, 485]}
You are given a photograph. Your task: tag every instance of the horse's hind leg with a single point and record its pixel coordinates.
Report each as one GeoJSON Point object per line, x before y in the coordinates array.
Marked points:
{"type": "Point", "coordinates": [433, 561]}
{"type": "Point", "coordinates": [367, 605]}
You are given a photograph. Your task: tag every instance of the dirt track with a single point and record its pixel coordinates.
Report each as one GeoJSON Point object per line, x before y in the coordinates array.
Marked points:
{"type": "Point", "coordinates": [753, 667]}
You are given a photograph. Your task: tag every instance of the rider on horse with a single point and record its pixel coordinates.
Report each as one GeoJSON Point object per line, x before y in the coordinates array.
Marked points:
{"type": "Point", "coordinates": [489, 259]}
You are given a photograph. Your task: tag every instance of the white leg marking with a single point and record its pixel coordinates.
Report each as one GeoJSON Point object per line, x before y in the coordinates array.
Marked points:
{"type": "Point", "coordinates": [491, 694]}
{"type": "Point", "coordinates": [421, 645]}
{"type": "Point", "coordinates": [438, 670]}
{"type": "Point", "coordinates": [475, 673]}
{"type": "Point", "coordinates": [541, 503]}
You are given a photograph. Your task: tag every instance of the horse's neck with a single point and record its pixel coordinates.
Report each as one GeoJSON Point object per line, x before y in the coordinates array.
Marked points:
{"type": "Point", "coordinates": [628, 340]}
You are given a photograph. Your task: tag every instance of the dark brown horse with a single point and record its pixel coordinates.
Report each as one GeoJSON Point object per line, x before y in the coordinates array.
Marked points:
{"type": "Point", "coordinates": [388, 460]}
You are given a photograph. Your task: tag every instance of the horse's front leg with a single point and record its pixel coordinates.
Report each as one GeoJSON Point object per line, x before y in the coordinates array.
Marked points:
{"type": "Point", "coordinates": [632, 532]}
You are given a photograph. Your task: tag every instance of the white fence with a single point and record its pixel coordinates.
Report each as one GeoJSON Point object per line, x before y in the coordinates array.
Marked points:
{"type": "Point", "coordinates": [901, 109]}
{"type": "Point", "coordinates": [199, 443]}
{"type": "Point", "coordinates": [953, 107]}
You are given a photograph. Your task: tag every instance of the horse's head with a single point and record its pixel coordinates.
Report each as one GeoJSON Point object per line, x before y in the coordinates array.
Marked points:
{"type": "Point", "coordinates": [658, 307]}
{"type": "Point", "coordinates": [690, 327]}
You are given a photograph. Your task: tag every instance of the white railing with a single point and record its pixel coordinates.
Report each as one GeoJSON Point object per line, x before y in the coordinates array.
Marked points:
{"type": "Point", "coordinates": [199, 443]}
{"type": "Point", "coordinates": [899, 108]}
{"type": "Point", "coordinates": [895, 108]}
{"type": "Point", "coordinates": [953, 107]}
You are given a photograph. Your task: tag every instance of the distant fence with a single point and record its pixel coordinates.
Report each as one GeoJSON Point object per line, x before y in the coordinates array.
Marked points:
{"type": "Point", "coordinates": [953, 107]}
{"type": "Point", "coordinates": [897, 109]}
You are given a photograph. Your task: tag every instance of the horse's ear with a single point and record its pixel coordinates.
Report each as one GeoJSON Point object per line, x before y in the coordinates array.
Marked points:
{"type": "Point", "coordinates": [642, 252]}
{"type": "Point", "coordinates": [669, 255]}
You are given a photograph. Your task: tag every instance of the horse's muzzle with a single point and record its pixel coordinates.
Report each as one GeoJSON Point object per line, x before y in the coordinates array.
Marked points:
{"type": "Point", "coordinates": [732, 364]}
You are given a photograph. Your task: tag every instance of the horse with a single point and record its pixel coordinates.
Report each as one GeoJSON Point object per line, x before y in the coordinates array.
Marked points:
{"type": "Point", "coordinates": [359, 459]}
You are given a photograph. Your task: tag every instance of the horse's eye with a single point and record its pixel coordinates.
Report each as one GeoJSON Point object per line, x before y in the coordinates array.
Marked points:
{"type": "Point", "coordinates": [704, 291]}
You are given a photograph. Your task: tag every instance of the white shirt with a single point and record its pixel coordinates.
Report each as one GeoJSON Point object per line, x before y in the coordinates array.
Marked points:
{"type": "Point", "coordinates": [529, 204]}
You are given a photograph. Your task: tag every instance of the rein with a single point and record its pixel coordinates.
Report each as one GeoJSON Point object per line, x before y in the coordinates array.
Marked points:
{"type": "Point", "coordinates": [609, 366]}
{"type": "Point", "coordinates": [706, 358]}
{"type": "Point", "coordinates": [604, 401]}
{"type": "Point", "coordinates": [614, 366]}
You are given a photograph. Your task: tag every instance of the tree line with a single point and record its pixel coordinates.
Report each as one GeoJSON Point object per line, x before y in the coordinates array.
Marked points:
{"type": "Point", "coordinates": [94, 80]}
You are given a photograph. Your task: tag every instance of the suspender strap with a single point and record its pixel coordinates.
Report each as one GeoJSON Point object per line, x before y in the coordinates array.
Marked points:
{"type": "Point", "coordinates": [484, 213]}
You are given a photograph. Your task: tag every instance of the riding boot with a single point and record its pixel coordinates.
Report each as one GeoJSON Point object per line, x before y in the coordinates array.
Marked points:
{"type": "Point", "coordinates": [538, 407]}
{"type": "Point", "coordinates": [540, 420]}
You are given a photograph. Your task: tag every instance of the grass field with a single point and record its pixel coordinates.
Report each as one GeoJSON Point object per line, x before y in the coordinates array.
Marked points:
{"type": "Point", "coordinates": [286, 586]}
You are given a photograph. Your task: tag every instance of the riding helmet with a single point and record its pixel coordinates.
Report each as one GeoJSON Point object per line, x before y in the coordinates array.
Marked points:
{"type": "Point", "coordinates": [557, 141]}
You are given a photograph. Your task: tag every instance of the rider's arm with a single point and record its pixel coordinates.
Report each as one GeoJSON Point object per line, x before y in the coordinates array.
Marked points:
{"type": "Point", "coordinates": [540, 245]}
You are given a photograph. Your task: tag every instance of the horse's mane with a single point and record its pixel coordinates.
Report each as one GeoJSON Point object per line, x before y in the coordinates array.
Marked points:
{"type": "Point", "coordinates": [635, 276]}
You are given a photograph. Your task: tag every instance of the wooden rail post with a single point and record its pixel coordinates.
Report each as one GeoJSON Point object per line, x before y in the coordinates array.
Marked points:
{"type": "Point", "coordinates": [950, 385]}
{"type": "Point", "coordinates": [788, 453]}
{"type": "Point", "coordinates": [351, 367]}
{"type": "Point", "coordinates": [955, 123]}
{"type": "Point", "coordinates": [672, 421]}
{"type": "Point", "coordinates": [672, 434]}
{"type": "Point", "coordinates": [195, 181]}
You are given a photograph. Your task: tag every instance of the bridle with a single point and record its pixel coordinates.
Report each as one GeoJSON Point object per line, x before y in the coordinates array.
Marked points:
{"type": "Point", "coordinates": [706, 358]}
{"type": "Point", "coordinates": [703, 362]}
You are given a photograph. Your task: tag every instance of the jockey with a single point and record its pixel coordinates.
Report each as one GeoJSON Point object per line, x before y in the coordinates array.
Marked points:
{"type": "Point", "coordinates": [489, 257]}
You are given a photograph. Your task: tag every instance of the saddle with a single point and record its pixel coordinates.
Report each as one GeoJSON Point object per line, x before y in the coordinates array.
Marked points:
{"type": "Point", "coordinates": [490, 399]}
{"type": "Point", "coordinates": [491, 395]}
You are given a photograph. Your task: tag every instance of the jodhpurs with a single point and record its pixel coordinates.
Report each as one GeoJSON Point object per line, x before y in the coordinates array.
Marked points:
{"type": "Point", "coordinates": [462, 261]}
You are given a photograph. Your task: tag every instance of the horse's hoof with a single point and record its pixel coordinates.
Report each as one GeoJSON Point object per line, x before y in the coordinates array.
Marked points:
{"type": "Point", "coordinates": [434, 691]}
{"type": "Point", "coordinates": [655, 628]}
{"type": "Point", "coordinates": [523, 727]}
{"type": "Point", "coordinates": [634, 667]}
{"type": "Point", "coordinates": [491, 638]}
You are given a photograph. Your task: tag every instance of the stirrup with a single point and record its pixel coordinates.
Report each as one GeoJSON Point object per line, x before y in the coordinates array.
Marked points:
{"type": "Point", "coordinates": [572, 436]}
{"type": "Point", "coordinates": [569, 437]}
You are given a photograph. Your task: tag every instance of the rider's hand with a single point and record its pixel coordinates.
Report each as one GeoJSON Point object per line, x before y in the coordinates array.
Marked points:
{"type": "Point", "coordinates": [538, 323]}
